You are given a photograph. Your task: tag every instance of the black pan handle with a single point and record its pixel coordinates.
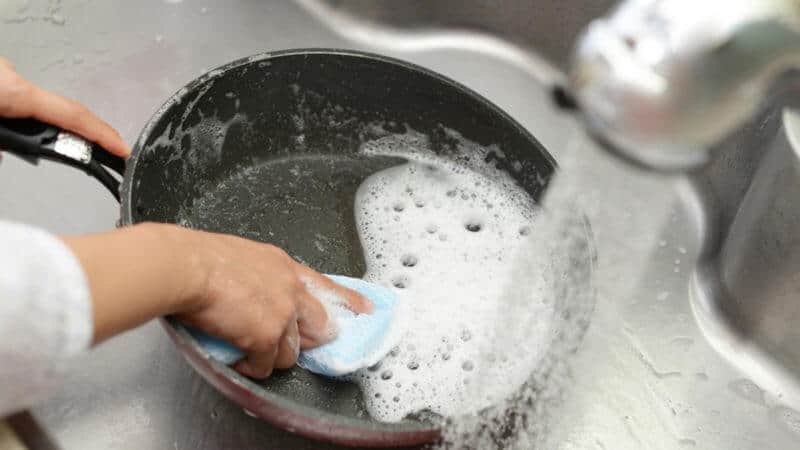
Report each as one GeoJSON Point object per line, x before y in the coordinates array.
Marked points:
{"type": "Point", "coordinates": [31, 140]}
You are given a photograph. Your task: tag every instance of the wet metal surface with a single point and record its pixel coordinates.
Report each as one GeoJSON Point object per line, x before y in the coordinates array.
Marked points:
{"type": "Point", "coordinates": [645, 377]}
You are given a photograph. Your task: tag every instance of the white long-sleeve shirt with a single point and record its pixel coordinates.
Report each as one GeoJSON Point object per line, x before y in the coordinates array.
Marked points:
{"type": "Point", "coordinates": [45, 314]}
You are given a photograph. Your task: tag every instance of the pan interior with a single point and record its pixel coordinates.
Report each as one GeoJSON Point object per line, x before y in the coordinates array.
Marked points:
{"type": "Point", "coordinates": [302, 204]}
{"type": "Point", "coordinates": [268, 149]}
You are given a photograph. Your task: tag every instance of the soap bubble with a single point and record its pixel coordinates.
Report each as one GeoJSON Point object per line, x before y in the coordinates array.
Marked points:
{"type": "Point", "coordinates": [409, 260]}
{"type": "Point", "coordinates": [473, 226]}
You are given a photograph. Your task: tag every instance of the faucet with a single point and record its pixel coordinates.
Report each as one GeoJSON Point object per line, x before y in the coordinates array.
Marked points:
{"type": "Point", "coordinates": [709, 89]}
{"type": "Point", "coordinates": [660, 82]}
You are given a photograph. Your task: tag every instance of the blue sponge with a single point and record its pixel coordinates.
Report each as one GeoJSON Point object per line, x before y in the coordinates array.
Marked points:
{"type": "Point", "coordinates": [363, 339]}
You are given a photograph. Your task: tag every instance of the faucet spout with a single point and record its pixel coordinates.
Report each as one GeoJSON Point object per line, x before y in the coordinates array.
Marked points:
{"type": "Point", "coordinates": [660, 82]}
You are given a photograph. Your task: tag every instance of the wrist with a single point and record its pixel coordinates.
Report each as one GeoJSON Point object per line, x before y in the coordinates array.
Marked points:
{"type": "Point", "coordinates": [188, 268]}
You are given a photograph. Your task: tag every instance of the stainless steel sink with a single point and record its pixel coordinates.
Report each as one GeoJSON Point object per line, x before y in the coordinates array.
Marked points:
{"type": "Point", "coordinates": [658, 369]}
{"type": "Point", "coordinates": [740, 212]}
{"type": "Point", "coordinates": [745, 289]}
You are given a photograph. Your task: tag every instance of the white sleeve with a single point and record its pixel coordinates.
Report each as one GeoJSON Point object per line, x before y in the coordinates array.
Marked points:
{"type": "Point", "coordinates": [45, 314]}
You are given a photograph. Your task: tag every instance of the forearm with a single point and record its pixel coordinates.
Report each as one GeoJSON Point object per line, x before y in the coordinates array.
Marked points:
{"type": "Point", "coordinates": [135, 274]}
{"type": "Point", "coordinates": [45, 314]}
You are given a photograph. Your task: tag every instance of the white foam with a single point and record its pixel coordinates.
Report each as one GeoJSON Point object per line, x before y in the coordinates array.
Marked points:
{"type": "Point", "coordinates": [447, 236]}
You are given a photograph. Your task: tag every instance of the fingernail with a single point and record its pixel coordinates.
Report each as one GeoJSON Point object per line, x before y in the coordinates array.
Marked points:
{"type": "Point", "coordinates": [369, 306]}
{"type": "Point", "coordinates": [362, 304]}
{"type": "Point", "coordinates": [294, 344]}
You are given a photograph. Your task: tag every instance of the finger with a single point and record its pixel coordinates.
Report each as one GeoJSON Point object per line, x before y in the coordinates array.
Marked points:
{"type": "Point", "coordinates": [353, 300]}
{"type": "Point", "coordinates": [258, 365]}
{"type": "Point", "coordinates": [313, 322]}
{"type": "Point", "coordinates": [72, 116]}
{"type": "Point", "coordinates": [6, 64]}
{"type": "Point", "coordinates": [289, 347]}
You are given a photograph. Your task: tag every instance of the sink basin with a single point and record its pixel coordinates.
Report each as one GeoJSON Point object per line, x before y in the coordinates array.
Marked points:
{"type": "Point", "coordinates": [653, 371]}
{"type": "Point", "coordinates": [736, 265]}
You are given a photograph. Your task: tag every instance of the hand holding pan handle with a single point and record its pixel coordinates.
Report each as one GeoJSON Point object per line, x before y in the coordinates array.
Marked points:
{"type": "Point", "coordinates": [31, 139]}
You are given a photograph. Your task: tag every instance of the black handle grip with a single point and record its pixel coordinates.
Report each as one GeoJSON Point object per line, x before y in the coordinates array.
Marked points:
{"type": "Point", "coordinates": [31, 139]}
{"type": "Point", "coordinates": [26, 137]}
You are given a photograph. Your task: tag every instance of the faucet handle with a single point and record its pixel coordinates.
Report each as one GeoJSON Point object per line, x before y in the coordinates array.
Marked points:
{"type": "Point", "coordinates": [660, 82]}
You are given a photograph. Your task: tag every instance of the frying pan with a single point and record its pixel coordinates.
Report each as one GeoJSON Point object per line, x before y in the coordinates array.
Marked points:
{"type": "Point", "coordinates": [267, 147]}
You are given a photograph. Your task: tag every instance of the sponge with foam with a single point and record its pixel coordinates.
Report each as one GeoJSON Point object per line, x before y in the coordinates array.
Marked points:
{"type": "Point", "coordinates": [362, 339]}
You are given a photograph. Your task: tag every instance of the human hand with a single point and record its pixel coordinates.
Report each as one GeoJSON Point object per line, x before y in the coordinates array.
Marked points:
{"type": "Point", "coordinates": [258, 298]}
{"type": "Point", "coordinates": [19, 98]}
{"type": "Point", "coordinates": [250, 294]}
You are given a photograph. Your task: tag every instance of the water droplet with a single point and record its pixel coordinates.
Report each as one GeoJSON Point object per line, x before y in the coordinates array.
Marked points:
{"type": "Point", "coordinates": [747, 390]}
{"type": "Point", "coordinates": [413, 365]}
{"type": "Point", "coordinates": [682, 342]}
{"type": "Point", "coordinates": [399, 207]}
{"type": "Point", "coordinates": [386, 375]}
{"type": "Point", "coordinates": [467, 366]}
{"type": "Point", "coordinates": [525, 230]}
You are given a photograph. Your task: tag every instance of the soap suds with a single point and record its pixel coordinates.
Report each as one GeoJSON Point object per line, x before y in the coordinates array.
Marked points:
{"type": "Point", "coordinates": [448, 236]}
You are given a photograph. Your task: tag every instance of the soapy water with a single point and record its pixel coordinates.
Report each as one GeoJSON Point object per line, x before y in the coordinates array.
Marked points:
{"type": "Point", "coordinates": [446, 237]}
{"type": "Point", "coordinates": [497, 293]}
